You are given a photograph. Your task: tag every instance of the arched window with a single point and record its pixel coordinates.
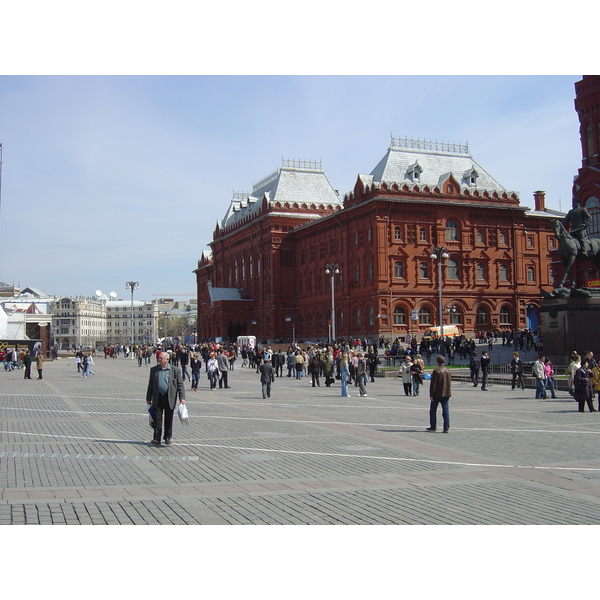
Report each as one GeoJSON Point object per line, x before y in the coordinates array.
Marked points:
{"type": "Point", "coordinates": [399, 316]}
{"type": "Point", "coordinates": [301, 324]}
{"type": "Point", "coordinates": [319, 322]}
{"type": "Point", "coordinates": [243, 265]}
{"type": "Point", "coordinates": [423, 270]}
{"type": "Point", "coordinates": [235, 272]}
{"type": "Point", "coordinates": [258, 266]}
{"type": "Point", "coordinates": [452, 269]}
{"type": "Point", "coordinates": [424, 316]}
{"type": "Point", "coordinates": [250, 267]}
{"type": "Point", "coordinates": [309, 322]}
{"type": "Point", "coordinates": [398, 270]}
{"type": "Point", "coordinates": [455, 315]}
{"type": "Point", "coordinates": [370, 271]}
{"type": "Point", "coordinates": [530, 275]}
{"type": "Point", "coordinates": [590, 142]}
{"type": "Point", "coordinates": [482, 316]}
{"type": "Point", "coordinates": [357, 318]}
{"type": "Point", "coordinates": [371, 316]}
{"type": "Point", "coordinates": [451, 231]}
{"type": "Point", "coordinates": [356, 275]}
{"type": "Point", "coordinates": [505, 316]}
{"type": "Point", "coordinates": [593, 207]}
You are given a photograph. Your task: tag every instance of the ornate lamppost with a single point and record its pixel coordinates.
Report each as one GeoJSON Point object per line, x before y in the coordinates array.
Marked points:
{"type": "Point", "coordinates": [132, 285]}
{"type": "Point", "coordinates": [440, 253]}
{"type": "Point", "coordinates": [332, 270]}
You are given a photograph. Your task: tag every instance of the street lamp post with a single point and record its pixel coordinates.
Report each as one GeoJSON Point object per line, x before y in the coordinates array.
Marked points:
{"type": "Point", "coordinates": [332, 270]}
{"type": "Point", "coordinates": [440, 253]}
{"type": "Point", "coordinates": [132, 285]}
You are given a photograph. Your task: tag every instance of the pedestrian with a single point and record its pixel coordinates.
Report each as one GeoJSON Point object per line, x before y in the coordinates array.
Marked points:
{"type": "Point", "coordinates": [416, 373]}
{"type": "Point", "coordinates": [539, 372]}
{"type": "Point", "coordinates": [165, 385]}
{"type": "Point", "coordinates": [361, 375]}
{"type": "Point", "coordinates": [573, 366]}
{"type": "Point", "coordinates": [299, 364]}
{"type": "Point", "coordinates": [313, 369]}
{"type": "Point", "coordinates": [485, 369]}
{"type": "Point", "coordinates": [39, 363]}
{"type": "Point", "coordinates": [87, 361]}
{"type": "Point", "coordinates": [582, 387]}
{"type": "Point", "coordinates": [195, 365]}
{"type": "Point", "coordinates": [596, 382]}
{"type": "Point", "coordinates": [475, 365]}
{"type": "Point", "coordinates": [345, 374]}
{"type": "Point", "coordinates": [223, 364]}
{"type": "Point", "coordinates": [516, 368]}
{"type": "Point", "coordinates": [406, 375]}
{"type": "Point", "coordinates": [550, 378]}
{"type": "Point", "coordinates": [440, 391]}
{"type": "Point", "coordinates": [212, 369]}
{"type": "Point", "coordinates": [266, 377]}
{"type": "Point", "coordinates": [78, 361]}
{"type": "Point", "coordinates": [27, 365]}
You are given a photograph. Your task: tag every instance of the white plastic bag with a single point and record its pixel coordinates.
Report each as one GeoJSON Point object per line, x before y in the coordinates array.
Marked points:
{"type": "Point", "coordinates": [182, 411]}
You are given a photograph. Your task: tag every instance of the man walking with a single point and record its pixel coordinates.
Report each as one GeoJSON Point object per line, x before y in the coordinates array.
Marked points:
{"type": "Point", "coordinates": [485, 368]}
{"type": "Point", "coordinates": [439, 393]}
{"type": "Point", "coordinates": [223, 363]}
{"type": "Point", "coordinates": [475, 364]}
{"type": "Point", "coordinates": [539, 372]}
{"type": "Point", "coordinates": [266, 378]}
{"type": "Point", "coordinates": [164, 386]}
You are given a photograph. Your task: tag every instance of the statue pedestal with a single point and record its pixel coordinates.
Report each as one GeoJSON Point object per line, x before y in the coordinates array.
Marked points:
{"type": "Point", "coordinates": [570, 324]}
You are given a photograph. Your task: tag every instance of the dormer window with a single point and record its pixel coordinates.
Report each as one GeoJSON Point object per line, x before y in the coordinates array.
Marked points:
{"type": "Point", "coordinates": [470, 177]}
{"type": "Point", "coordinates": [414, 172]}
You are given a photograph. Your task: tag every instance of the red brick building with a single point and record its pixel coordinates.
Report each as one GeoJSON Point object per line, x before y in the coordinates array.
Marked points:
{"type": "Point", "coordinates": [586, 186]}
{"type": "Point", "coordinates": [266, 275]}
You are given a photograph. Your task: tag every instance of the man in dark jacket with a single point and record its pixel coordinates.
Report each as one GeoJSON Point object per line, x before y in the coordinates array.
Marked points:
{"type": "Point", "coordinates": [266, 378]}
{"type": "Point", "coordinates": [27, 364]}
{"type": "Point", "coordinates": [475, 365]}
{"type": "Point", "coordinates": [440, 390]}
{"type": "Point", "coordinates": [164, 386]}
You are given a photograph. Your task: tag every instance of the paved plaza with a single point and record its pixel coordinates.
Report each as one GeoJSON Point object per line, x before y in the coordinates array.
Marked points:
{"type": "Point", "coordinates": [76, 450]}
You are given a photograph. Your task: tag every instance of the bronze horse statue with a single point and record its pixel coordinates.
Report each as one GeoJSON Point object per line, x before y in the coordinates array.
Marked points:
{"type": "Point", "coordinates": [569, 249]}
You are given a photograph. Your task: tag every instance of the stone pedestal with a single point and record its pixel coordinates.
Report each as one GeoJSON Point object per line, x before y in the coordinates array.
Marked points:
{"type": "Point", "coordinates": [570, 324]}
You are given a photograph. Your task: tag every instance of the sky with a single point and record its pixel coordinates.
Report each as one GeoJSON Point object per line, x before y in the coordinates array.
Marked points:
{"type": "Point", "coordinates": [122, 146]}
{"type": "Point", "coordinates": [109, 179]}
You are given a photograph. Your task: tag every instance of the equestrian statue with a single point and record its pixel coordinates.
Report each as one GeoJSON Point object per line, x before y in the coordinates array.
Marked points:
{"type": "Point", "coordinates": [574, 244]}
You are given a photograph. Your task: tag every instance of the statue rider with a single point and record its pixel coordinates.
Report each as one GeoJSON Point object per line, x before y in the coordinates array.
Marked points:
{"type": "Point", "coordinates": [579, 218]}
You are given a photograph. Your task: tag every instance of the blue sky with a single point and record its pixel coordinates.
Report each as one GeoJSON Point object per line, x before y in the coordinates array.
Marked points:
{"type": "Point", "coordinates": [112, 178]}
{"type": "Point", "coordinates": [125, 131]}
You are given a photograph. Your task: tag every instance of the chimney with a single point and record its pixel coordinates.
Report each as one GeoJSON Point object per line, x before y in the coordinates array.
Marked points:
{"type": "Point", "coordinates": [540, 200]}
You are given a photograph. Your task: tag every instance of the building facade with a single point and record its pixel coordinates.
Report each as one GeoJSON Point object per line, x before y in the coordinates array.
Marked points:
{"type": "Point", "coordinates": [292, 260]}
{"type": "Point", "coordinates": [586, 185]}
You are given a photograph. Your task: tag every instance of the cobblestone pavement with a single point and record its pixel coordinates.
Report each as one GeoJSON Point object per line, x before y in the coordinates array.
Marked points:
{"type": "Point", "coordinates": [76, 451]}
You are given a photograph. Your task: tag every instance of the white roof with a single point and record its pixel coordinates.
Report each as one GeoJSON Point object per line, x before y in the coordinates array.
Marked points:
{"type": "Point", "coordinates": [433, 161]}
{"type": "Point", "coordinates": [296, 182]}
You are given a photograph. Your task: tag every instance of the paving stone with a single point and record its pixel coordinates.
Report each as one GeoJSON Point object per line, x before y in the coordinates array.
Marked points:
{"type": "Point", "coordinates": [76, 451]}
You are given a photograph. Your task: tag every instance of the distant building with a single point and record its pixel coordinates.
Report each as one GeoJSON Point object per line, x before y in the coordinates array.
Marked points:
{"type": "Point", "coordinates": [27, 315]}
{"type": "Point", "coordinates": [266, 272]}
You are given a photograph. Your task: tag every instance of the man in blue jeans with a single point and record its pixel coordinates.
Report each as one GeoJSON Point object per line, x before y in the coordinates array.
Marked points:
{"type": "Point", "coordinates": [539, 372]}
{"type": "Point", "coordinates": [439, 393]}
